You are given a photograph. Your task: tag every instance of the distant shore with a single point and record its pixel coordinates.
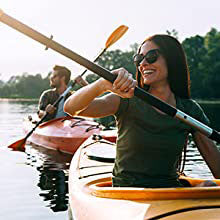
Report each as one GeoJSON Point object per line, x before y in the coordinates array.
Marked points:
{"type": "Point", "coordinates": [17, 100]}
{"type": "Point", "coordinates": [217, 101]}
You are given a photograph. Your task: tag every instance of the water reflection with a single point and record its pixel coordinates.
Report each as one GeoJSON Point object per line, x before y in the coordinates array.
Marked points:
{"type": "Point", "coordinates": [53, 184]}
{"type": "Point", "coordinates": [53, 175]}
{"type": "Point", "coordinates": [195, 165]}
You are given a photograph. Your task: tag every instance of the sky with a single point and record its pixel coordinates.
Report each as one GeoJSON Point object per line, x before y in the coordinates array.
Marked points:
{"type": "Point", "coordinates": [84, 27]}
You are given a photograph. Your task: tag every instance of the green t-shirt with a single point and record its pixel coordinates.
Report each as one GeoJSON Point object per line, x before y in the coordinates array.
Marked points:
{"type": "Point", "coordinates": [149, 143]}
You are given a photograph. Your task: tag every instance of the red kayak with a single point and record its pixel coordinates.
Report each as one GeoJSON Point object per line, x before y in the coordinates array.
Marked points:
{"type": "Point", "coordinates": [65, 134]}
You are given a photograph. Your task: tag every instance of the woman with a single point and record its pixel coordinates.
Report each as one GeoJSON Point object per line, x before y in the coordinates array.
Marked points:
{"type": "Point", "coordinates": [149, 142]}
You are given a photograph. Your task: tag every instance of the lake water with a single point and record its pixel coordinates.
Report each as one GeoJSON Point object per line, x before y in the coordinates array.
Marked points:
{"type": "Point", "coordinates": [34, 184]}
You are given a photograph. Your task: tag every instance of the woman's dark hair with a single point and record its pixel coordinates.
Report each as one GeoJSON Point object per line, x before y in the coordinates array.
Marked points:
{"type": "Point", "coordinates": [178, 72]}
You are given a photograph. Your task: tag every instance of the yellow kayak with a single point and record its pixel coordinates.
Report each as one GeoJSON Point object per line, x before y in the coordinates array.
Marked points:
{"type": "Point", "coordinates": [92, 196]}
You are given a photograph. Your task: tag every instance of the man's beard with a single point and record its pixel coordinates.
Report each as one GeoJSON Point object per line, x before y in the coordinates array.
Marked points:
{"type": "Point", "coordinates": [56, 86]}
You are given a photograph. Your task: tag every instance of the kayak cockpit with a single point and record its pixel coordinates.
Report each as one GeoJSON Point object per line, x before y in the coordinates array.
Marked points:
{"type": "Point", "coordinates": [103, 188]}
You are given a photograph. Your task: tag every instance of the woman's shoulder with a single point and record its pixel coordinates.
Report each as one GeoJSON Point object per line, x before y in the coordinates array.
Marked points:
{"type": "Point", "coordinates": [193, 108]}
{"type": "Point", "coordinates": [188, 104]}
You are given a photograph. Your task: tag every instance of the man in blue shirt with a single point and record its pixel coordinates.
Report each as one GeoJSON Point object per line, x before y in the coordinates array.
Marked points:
{"type": "Point", "coordinates": [59, 80]}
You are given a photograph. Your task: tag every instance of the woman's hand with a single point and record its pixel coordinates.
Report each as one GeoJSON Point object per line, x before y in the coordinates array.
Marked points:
{"type": "Point", "coordinates": [124, 84]}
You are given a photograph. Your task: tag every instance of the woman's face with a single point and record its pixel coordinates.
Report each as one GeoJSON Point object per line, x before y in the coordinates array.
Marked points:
{"type": "Point", "coordinates": [156, 73]}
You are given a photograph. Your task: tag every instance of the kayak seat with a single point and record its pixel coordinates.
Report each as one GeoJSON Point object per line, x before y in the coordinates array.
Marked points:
{"type": "Point", "coordinates": [185, 183]}
{"type": "Point", "coordinates": [104, 184]}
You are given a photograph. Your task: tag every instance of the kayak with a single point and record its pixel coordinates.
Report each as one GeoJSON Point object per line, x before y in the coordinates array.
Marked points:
{"type": "Point", "coordinates": [91, 195]}
{"type": "Point", "coordinates": [65, 134]}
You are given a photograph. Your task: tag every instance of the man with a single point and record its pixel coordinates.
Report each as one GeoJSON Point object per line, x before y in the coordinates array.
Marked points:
{"type": "Point", "coordinates": [59, 80]}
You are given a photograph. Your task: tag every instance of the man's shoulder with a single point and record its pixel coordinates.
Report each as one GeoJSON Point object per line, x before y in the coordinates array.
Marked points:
{"type": "Point", "coordinates": [49, 91]}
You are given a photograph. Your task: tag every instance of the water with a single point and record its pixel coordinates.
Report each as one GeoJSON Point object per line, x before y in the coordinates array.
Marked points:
{"type": "Point", "coordinates": [34, 184]}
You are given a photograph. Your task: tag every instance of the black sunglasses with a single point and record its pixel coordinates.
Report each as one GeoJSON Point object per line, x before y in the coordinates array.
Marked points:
{"type": "Point", "coordinates": [151, 57]}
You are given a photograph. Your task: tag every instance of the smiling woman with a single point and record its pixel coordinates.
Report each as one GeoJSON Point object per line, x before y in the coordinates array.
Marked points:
{"type": "Point", "coordinates": [144, 132]}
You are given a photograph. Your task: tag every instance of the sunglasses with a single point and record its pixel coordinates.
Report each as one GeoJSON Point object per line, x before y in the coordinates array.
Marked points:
{"type": "Point", "coordinates": [151, 57]}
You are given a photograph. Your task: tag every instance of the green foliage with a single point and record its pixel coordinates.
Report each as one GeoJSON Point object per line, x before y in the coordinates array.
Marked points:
{"type": "Point", "coordinates": [203, 55]}
{"type": "Point", "coordinates": [195, 51]}
{"type": "Point", "coordinates": [24, 86]}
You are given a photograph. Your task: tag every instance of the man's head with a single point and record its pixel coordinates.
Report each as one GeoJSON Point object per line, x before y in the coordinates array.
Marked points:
{"type": "Point", "coordinates": [60, 75]}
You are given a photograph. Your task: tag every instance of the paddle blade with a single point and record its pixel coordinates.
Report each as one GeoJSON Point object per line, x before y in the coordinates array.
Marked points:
{"type": "Point", "coordinates": [1, 12]}
{"type": "Point", "coordinates": [18, 145]}
{"type": "Point", "coordinates": [116, 35]}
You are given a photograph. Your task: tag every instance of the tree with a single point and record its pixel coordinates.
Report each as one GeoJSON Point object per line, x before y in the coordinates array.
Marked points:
{"type": "Point", "coordinates": [203, 55]}
{"type": "Point", "coordinates": [24, 86]}
{"type": "Point", "coordinates": [212, 62]}
{"type": "Point", "coordinates": [195, 51]}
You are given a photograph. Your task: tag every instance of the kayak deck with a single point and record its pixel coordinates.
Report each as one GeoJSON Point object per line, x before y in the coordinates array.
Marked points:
{"type": "Point", "coordinates": [64, 134]}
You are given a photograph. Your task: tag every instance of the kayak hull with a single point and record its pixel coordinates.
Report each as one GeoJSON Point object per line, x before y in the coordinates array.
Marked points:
{"type": "Point", "coordinates": [92, 196]}
{"type": "Point", "coordinates": [63, 134]}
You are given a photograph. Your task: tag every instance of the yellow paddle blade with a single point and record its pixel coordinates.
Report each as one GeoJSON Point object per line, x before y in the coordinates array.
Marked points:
{"type": "Point", "coordinates": [18, 145]}
{"type": "Point", "coordinates": [1, 12]}
{"type": "Point", "coordinates": [116, 35]}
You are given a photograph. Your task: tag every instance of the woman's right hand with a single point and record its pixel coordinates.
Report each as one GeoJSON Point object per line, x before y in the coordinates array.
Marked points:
{"type": "Point", "coordinates": [123, 85]}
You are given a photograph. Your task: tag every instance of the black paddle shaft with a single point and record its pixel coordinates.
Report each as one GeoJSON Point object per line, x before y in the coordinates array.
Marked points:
{"type": "Point", "coordinates": [140, 93]}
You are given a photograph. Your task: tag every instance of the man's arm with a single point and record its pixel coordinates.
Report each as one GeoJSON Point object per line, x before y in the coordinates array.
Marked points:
{"type": "Point", "coordinates": [44, 106]}
{"type": "Point", "coordinates": [79, 80]}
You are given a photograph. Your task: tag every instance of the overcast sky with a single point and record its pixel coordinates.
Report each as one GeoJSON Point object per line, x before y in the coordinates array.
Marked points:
{"type": "Point", "coordinates": [84, 26]}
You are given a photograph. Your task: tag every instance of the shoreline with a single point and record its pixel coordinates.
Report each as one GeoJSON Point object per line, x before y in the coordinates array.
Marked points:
{"type": "Point", "coordinates": [200, 101]}
{"type": "Point", "coordinates": [17, 100]}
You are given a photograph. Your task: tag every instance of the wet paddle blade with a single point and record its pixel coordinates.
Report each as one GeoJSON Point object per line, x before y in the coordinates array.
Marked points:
{"type": "Point", "coordinates": [18, 145]}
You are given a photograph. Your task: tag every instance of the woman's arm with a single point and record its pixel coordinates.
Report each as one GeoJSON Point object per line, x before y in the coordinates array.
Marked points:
{"type": "Point", "coordinates": [209, 152]}
{"type": "Point", "coordinates": [84, 102]}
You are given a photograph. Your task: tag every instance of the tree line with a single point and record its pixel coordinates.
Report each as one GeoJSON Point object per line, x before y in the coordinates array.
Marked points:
{"type": "Point", "coordinates": [203, 56]}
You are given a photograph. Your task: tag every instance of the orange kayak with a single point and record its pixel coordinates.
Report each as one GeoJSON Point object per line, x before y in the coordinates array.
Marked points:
{"type": "Point", "coordinates": [65, 134]}
{"type": "Point", "coordinates": [92, 196]}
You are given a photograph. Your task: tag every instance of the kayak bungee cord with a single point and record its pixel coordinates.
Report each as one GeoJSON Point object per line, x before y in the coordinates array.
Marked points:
{"type": "Point", "coordinates": [107, 160]}
{"type": "Point", "coordinates": [140, 93]}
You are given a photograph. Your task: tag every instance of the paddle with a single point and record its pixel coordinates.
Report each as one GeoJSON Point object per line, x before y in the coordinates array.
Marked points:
{"type": "Point", "coordinates": [115, 36]}
{"type": "Point", "coordinates": [140, 93]}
